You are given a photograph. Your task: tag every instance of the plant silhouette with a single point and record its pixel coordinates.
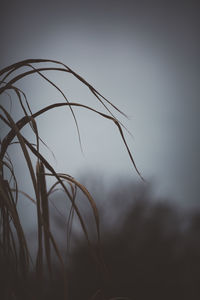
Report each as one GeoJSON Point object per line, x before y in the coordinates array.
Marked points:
{"type": "Point", "coordinates": [14, 251]}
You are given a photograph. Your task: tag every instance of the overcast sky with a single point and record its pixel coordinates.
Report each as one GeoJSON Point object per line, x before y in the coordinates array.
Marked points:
{"type": "Point", "coordinates": [141, 55]}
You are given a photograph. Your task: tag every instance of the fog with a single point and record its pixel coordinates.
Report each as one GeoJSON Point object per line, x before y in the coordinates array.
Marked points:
{"type": "Point", "coordinates": [141, 55]}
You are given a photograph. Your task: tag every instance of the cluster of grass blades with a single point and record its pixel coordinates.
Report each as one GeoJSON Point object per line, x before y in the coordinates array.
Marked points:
{"type": "Point", "coordinates": [13, 244]}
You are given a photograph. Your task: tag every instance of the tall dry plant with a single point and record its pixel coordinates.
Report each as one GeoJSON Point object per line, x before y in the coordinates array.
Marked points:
{"type": "Point", "coordinates": [13, 243]}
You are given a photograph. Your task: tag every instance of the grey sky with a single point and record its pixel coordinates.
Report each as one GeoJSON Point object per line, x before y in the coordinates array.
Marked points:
{"type": "Point", "coordinates": [143, 56]}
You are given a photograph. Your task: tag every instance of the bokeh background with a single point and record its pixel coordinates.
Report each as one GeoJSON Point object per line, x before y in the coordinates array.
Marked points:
{"type": "Point", "coordinates": [141, 55]}
{"type": "Point", "coordinates": [144, 57]}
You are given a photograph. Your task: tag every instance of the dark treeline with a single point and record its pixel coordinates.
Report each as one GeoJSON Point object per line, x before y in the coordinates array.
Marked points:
{"type": "Point", "coordinates": [151, 250]}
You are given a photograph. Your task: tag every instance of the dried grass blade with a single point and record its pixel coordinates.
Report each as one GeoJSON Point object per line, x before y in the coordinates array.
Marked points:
{"type": "Point", "coordinates": [45, 212]}
{"type": "Point", "coordinates": [25, 120]}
